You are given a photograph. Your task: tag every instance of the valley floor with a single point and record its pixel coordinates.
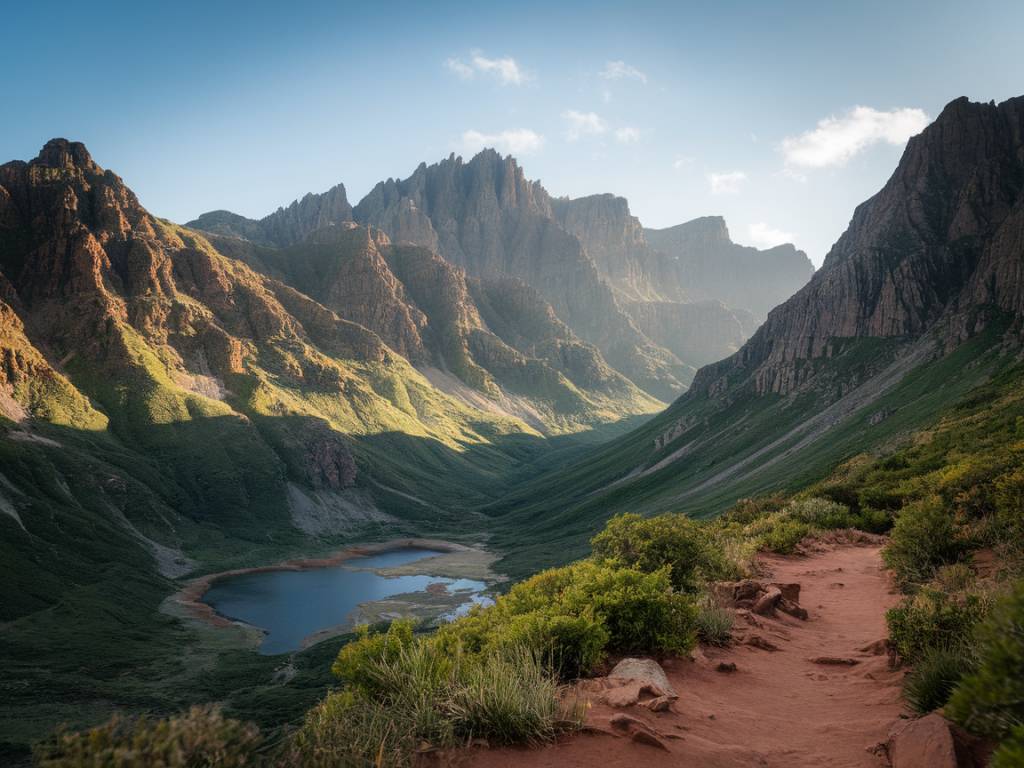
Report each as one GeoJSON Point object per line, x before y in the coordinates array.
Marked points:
{"type": "Point", "coordinates": [825, 696]}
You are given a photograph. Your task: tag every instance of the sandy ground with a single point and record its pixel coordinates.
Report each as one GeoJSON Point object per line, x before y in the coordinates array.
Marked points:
{"type": "Point", "coordinates": [779, 709]}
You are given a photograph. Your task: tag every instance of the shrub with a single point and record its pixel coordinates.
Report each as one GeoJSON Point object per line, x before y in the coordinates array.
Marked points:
{"type": "Point", "coordinates": [871, 520]}
{"type": "Point", "coordinates": [930, 683]}
{"type": "Point", "coordinates": [200, 737]}
{"type": "Point", "coordinates": [954, 578]}
{"type": "Point", "coordinates": [357, 659]}
{"type": "Point", "coordinates": [1011, 750]}
{"type": "Point", "coordinates": [570, 615]}
{"type": "Point", "coordinates": [649, 544]}
{"type": "Point", "coordinates": [821, 513]}
{"type": "Point", "coordinates": [714, 623]}
{"type": "Point", "coordinates": [923, 538]}
{"type": "Point", "coordinates": [784, 534]}
{"type": "Point", "coordinates": [746, 511]}
{"type": "Point", "coordinates": [991, 699]}
{"type": "Point", "coordinates": [933, 619]}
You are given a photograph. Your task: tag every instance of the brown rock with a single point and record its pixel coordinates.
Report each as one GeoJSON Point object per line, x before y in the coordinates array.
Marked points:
{"type": "Point", "coordinates": [765, 604]}
{"type": "Point", "coordinates": [924, 743]}
{"type": "Point", "coordinates": [726, 666]}
{"type": "Point", "coordinates": [834, 661]}
{"type": "Point", "coordinates": [756, 641]}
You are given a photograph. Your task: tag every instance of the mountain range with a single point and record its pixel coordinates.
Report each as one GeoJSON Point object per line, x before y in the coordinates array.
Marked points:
{"type": "Point", "coordinates": [458, 354]}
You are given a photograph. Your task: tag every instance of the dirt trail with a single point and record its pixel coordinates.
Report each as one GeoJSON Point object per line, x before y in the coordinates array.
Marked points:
{"type": "Point", "coordinates": [779, 708]}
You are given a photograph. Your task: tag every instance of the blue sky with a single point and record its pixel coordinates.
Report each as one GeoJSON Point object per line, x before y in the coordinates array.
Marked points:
{"type": "Point", "coordinates": [686, 109]}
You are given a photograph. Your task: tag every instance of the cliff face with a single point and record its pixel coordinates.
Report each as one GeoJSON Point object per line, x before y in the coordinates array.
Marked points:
{"type": "Point", "coordinates": [940, 243]}
{"type": "Point", "coordinates": [285, 226]}
{"type": "Point", "coordinates": [703, 259]}
{"type": "Point", "coordinates": [487, 218]}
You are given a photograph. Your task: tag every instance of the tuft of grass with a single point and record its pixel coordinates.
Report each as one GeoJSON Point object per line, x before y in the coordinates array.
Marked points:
{"type": "Point", "coordinates": [931, 682]}
{"type": "Point", "coordinates": [714, 623]}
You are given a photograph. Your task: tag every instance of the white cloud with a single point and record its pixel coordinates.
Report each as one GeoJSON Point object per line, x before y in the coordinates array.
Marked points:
{"type": "Point", "coordinates": [506, 70]}
{"type": "Point", "coordinates": [681, 162]}
{"type": "Point", "coordinates": [767, 237]}
{"type": "Point", "coordinates": [627, 134]}
{"type": "Point", "coordinates": [460, 68]}
{"type": "Point", "coordinates": [583, 123]}
{"type": "Point", "coordinates": [836, 139]}
{"type": "Point", "coordinates": [619, 70]}
{"type": "Point", "coordinates": [516, 141]}
{"type": "Point", "coordinates": [726, 183]}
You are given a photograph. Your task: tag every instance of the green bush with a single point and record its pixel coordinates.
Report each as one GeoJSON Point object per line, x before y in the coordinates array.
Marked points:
{"type": "Point", "coordinates": [200, 737]}
{"type": "Point", "coordinates": [784, 534]}
{"type": "Point", "coordinates": [1011, 750]}
{"type": "Point", "coordinates": [936, 673]}
{"type": "Point", "coordinates": [871, 520]}
{"type": "Point", "coordinates": [820, 513]}
{"type": "Point", "coordinates": [933, 619]}
{"type": "Point", "coordinates": [649, 544]}
{"type": "Point", "coordinates": [924, 537]}
{"type": "Point", "coordinates": [571, 615]}
{"type": "Point", "coordinates": [990, 701]}
{"type": "Point", "coordinates": [357, 660]}
{"type": "Point", "coordinates": [714, 623]}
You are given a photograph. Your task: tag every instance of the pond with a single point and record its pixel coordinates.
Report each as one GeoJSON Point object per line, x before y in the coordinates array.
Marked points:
{"type": "Point", "coordinates": [290, 606]}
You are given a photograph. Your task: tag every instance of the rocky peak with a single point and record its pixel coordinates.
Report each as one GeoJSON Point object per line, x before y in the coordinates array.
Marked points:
{"type": "Point", "coordinates": [61, 153]}
{"type": "Point", "coordinates": [285, 226]}
{"type": "Point", "coordinates": [939, 242]}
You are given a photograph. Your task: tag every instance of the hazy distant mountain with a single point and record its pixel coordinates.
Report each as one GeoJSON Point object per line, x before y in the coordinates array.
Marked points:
{"type": "Point", "coordinates": [710, 265]}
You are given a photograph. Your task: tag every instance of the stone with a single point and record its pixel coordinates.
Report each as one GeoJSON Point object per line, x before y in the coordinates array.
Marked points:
{"type": "Point", "coordinates": [834, 661]}
{"type": "Point", "coordinates": [726, 666]}
{"type": "Point", "coordinates": [927, 742]}
{"type": "Point", "coordinates": [766, 603]}
{"type": "Point", "coordinates": [643, 671]}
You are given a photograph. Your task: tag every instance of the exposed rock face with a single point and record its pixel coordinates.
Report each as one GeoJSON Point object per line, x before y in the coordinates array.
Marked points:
{"type": "Point", "coordinates": [285, 226]}
{"type": "Point", "coordinates": [940, 244]}
{"type": "Point", "coordinates": [703, 260]}
{"type": "Point", "coordinates": [487, 218]}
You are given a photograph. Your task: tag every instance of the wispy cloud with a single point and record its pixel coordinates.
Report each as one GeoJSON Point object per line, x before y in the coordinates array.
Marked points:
{"type": "Point", "coordinates": [582, 124]}
{"type": "Point", "coordinates": [620, 70]}
{"type": "Point", "coordinates": [768, 237]}
{"type": "Point", "coordinates": [516, 141]}
{"type": "Point", "coordinates": [726, 183]}
{"type": "Point", "coordinates": [507, 70]}
{"type": "Point", "coordinates": [681, 161]}
{"type": "Point", "coordinates": [627, 134]}
{"type": "Point", "coordinates": [837, 139]}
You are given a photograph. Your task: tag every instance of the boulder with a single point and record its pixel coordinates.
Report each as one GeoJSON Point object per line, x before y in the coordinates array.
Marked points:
{"type": "Point", "coordinates": [643, 671]}
{"type": "Point", "coordinates": [923, 743]}
{"type": "Point", "coordinates": [637, 730]}
{"type": "Point", "coordinates": [766, 603]}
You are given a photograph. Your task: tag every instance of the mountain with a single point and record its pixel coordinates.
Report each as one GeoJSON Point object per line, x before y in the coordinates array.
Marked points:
{"type": "Point", "coordinates": [918, 302]}
{"type": "Point", "coordinates": [587, 258]}
{"type": "Point", "coordinates": [704, 259]}
{"type": "Point", "coordinates": [285, 225]}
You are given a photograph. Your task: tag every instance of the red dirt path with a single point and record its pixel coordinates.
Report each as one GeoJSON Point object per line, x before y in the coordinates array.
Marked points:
{"type": "Point", "coordinates": [779, 709]}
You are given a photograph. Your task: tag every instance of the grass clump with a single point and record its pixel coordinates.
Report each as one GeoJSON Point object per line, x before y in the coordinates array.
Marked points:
{"type": "Point", "coordinates": [422, 694]}
{"type": "Point", "coordinates": [714, 623]}
{"type": "Point", "coordinates": [200, 737]}
{"type": "Point", "coordinates": [930, 683]}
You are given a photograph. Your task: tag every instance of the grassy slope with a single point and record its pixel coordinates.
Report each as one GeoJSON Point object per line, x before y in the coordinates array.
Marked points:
{"type": "Point", "coordinates": [550, 519]}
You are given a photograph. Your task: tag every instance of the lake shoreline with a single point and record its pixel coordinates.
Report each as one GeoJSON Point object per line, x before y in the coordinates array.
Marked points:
{"type": "Point", "coordinates": [190, 596]}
